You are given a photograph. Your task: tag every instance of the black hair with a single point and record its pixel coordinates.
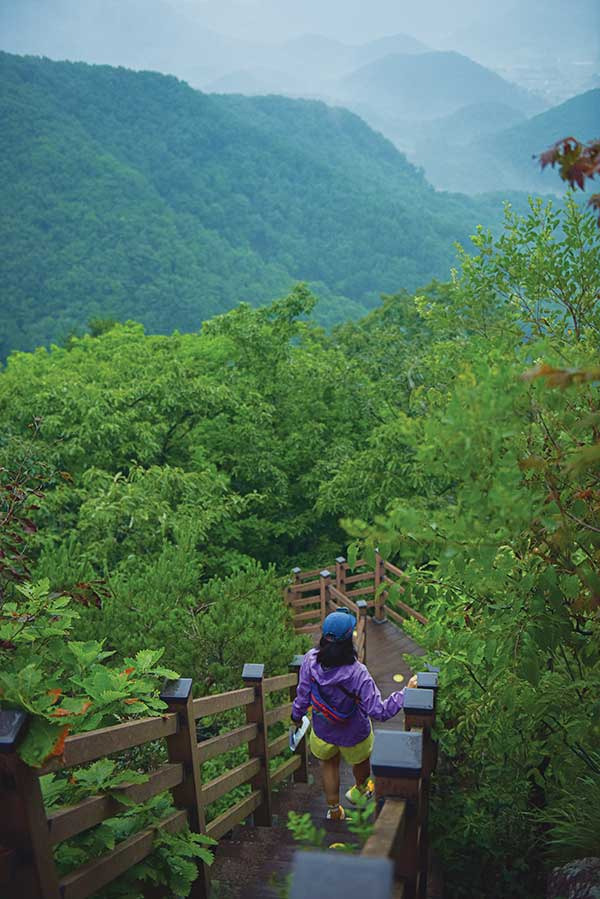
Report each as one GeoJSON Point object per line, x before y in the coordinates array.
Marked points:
{"type": "Point", "coordinates": [334, 654]}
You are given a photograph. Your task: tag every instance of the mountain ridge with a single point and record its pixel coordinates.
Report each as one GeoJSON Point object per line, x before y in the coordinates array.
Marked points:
{"type": "Point", "coordinates": [131, 195]}
{"type": "Point", "coordinates": [506, 160]}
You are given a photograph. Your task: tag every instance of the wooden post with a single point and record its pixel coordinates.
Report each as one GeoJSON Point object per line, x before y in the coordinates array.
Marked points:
{"type": "Point", "coordinates": [301, 773]}
{"type": "Point", "coordinates": [397, 763]}
{"type": "Point", "coordinates": [253, 676]}
{"type": "Point", "coordinates": [429, 680]}
{"type": "Point", "coordinates": [340, 574]}
{"type": "Point", "coordinates": [182, 747]}
{"type": "Point", "coordinates": [379, 617]}
{"type": "Point", "coordinates": [289, 594]}
{"type": "Point", "coordinates": [362, 609]}
{"type": "Point", "coordinates": [325, 582]}
{"type": "Point", "coordinates": [23, 822]}
{"type": "Point", "coordinates": [322, 875]}
{"type": "Point", "coordinates": [419, 714]}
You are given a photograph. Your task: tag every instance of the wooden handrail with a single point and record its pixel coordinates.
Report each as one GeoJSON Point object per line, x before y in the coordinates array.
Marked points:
{"type": "Point", "coordinates": [395, 616]}
{"type": "Point", "coordinates": [343, 600]}
{"type": "Point", "coordinates": [303, 601]}
{"type": "Point", "coordinates": [278, 745]}
{"type": "Point", "coordinates": [356, 578]}
{"type": "Point", "coordinates": [228, 781]}
{"type": "Point", "coordinates": [33, 872]}
{"type": "Point", "coordinates": [222, 702]}
{"type": "Point", "coordinates": [286, 769]}
{"type": "Point", "coordinates": [304, 588]}
{"type": "Point", "coordinates": [209, 749]}
{"type": "Point", "coordinates": [410, 611]}
{"type": "Point", "coordinates": [99, 872]}
{"type": "Point", "coordinates": [314, 572]}
{"type": "Point", "coordinates": [362, 591]}
{"type": "Point", "coordinates": [307, 615]}
{"type": "Point", "coordinates": [72, 820]}
{"type": "Point", "coordinates": [389, 830]}
{"type": "Point", "coordinates": [281, 682]}
{"type": "Point", "coordinates": [82, 748]}
{"type": "Point", "coordinates": [279, 714]}
{"type": "Point", "coordinates": [393, 569]}
{"type": "Point", "coordinates": [228, 819]}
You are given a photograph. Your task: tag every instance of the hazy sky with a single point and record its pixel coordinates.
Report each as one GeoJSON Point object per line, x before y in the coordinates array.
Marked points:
{"type": "Point", "coordinates": [165, 33]}
{"type": "Point", "coordinates": [348, 20]}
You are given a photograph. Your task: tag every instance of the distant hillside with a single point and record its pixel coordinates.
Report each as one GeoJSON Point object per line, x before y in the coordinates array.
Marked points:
{"type": "Point", "coordinates": [470, 123]}
{"type": "Point", "coordinates": [254, 82]}
{"type": "Point", "coordinates": [306, 66]}
{"type": "Point", "coordinates": [386, 46]}
{"type": "Point", "coordinates": [505, 160]}
{"type": "Point", "coordinates": [429, 85]}
{"type": "Point", "coordinates": [130, 195]}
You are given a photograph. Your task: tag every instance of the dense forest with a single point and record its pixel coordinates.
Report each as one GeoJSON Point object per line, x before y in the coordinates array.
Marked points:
{"type": "Point", "coordinates": [160, 484]}
{"type": "Point", "coordinates": [130, 195]}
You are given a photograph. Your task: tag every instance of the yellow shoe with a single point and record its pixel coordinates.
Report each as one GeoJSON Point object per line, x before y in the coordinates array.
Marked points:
{"type": "Point", "coordinates": [335, 813]}
{"type": "Point", "coordinates": [354, 793]}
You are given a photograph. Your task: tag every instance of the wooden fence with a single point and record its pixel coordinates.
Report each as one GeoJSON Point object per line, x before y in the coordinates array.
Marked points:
{"type": "Point", "coordinates": [394, 861]}
{"type": "Point", "coordinates": [402, 762]}
{"type": "Point", "coordinates": [28, 832]}
{"type": "Point", "coordinates": [313, 594]}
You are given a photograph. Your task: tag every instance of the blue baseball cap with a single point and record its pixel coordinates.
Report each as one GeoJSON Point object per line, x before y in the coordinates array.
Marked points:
{"type": "Point", "coordinates": [339, 625]}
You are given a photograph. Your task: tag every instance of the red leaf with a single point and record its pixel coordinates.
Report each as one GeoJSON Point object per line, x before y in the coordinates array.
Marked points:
{"type": "Point", "coordinates": [59, 746]}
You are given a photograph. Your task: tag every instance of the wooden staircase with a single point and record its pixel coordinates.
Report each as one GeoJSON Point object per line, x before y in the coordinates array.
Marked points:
{"type": "Point", "coordinates": [254, 842]}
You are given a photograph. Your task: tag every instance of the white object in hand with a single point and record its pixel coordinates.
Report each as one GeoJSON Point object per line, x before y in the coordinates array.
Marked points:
{"type": "Point", "coordinates": [297, 733]}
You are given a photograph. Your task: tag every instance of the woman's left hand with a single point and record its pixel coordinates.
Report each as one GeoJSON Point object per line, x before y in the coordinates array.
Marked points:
{"type": "Point", "coordinates": [412, 682]}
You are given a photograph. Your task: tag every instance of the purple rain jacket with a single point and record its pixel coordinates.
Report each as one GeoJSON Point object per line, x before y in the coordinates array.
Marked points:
{"type": "Point", "coordinates": [357, 681]}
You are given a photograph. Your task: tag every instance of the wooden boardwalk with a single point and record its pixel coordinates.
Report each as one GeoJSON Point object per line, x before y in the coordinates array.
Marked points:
{"type": "Point", "coordinates": [248, 862]}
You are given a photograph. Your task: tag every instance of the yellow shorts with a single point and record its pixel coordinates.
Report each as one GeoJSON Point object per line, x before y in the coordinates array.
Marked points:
{"type": "Point", "coordinates": [353, 755]}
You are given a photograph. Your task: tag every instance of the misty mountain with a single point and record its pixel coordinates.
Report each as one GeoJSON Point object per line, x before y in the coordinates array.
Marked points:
{"type": "Point", "coordinates": [327, 57]}
{"type": "Point", "coordinates": [173, 39]}
{"type": "Point", "coordinates": [132, 195]}
{"type": "Point", "coordinates": [505, 160]}
{"type": "Point", "coordinates": [468, 123]}
{"type": "Point", "coordinates": [306, 66]}
{"type": "Point", "coordinates": [256, 82]}
{"type": "Point", "coordinates": [429, 85]}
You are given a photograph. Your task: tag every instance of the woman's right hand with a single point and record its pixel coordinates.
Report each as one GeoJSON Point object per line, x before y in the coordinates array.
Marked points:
{"type": "Point", "coordinates": [412, 682]}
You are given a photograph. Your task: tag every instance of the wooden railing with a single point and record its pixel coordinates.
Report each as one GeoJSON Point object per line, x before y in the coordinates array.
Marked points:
{"type": "Point", "coordinates": [28, 832]}
{"type": "Point", "coordinates": [313, 594]}
{"type": "Point", "coordinates": [395, 859]}
{"type": "Point", "coordinates": [402, 762]}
